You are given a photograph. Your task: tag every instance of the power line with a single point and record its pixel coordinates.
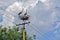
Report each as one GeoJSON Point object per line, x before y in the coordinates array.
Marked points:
{"type": "Point", "coordinates": [10, 20]}
{"type": "Point", "coordinates": [38, 31]}
{"type": "Point", "coordinates": [31, 26]}
{"type": "Point", "coordinates": [32, 33]}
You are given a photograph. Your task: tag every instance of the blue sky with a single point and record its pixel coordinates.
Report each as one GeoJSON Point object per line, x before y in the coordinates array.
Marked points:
{"type": "Point", "coordinates": [44, 16]}
{"type": "Point", "coordinates": [1, 18]}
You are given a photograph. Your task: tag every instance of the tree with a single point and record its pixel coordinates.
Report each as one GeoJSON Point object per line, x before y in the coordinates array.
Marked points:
{"type": "Point", "coordinates": [11, 34]}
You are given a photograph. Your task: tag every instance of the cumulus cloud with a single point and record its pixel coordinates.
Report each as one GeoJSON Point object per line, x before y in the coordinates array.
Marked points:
{"type": "Point", "coordinates": [20, 5]}
{"type": "Point", "coordinates": [27, 4]}
{"type": "Point", "coordinates": [15, 6]}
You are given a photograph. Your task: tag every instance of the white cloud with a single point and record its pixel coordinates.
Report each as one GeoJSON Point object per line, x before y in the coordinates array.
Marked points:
{"type": "Point", "coordinates": [27, 4]}
{"type": "Point", "coordinates": [42, 22]}
{"type": "Point", "coordinates": [47, 3]}
{"type": "Point", "coordinates": [58, 25]}
{"type": "Point", "coordinates": [30, 3]}
{"type": "Point", "coordinates": [15, 6]}
{"type": "Point", "coordinates": [42, 0]}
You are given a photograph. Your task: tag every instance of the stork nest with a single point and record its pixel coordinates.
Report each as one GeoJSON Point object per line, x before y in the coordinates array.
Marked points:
{"type": "Point", "coordinates": [24, 17]}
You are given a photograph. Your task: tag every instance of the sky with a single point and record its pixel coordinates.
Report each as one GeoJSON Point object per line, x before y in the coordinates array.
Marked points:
{"type": "Point", "coordinates": [44, 17]}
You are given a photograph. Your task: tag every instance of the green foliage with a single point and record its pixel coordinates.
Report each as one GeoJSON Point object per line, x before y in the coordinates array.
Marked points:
{"type": "Point", "coordinates": [11, 34]}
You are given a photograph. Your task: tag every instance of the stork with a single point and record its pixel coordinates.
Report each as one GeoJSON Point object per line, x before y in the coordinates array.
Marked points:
{"type": "Point", "coordinates": [23, 17]}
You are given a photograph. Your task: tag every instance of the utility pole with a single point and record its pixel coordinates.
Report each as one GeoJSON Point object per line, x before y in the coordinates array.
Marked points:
{"type": "Point", "coordinates": [24, 17]}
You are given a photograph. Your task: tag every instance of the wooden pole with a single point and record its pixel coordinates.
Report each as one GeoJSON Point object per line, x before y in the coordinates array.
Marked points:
{"type": "Point", "coordinates": [24, 32]}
